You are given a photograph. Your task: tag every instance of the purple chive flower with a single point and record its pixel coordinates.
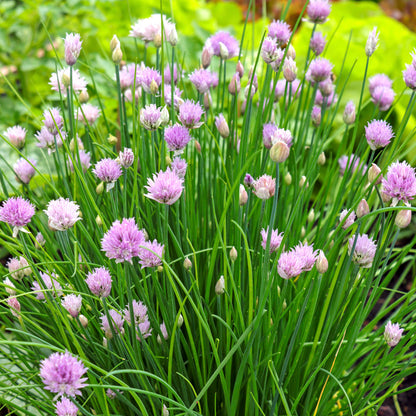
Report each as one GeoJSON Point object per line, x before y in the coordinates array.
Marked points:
{"type": "Point", "coordinates": [16, 135]}
{"type": "Point", "coordinates": [150, 30]}
{"type": "Point", "coordinates": [350, 219]}
{"type": "Point", "coordinates": [282, 135]}
{"type": "Point", "coordinates": [73, 45]}
{"type": "Point", "coordinates": [372, 40]}
{"type": "Point", "coordinates": [84, 159]}
{"type": "Point", "coordinates": [378, 134]}
{"type": "Point", "coordinates": [60, 81]}
{"type": "Point", "coordinates": [139, 310]}
{"type": "Point", "coordinates": [150, 80]}
{"type": "Point", "coordinates": [222, 125]}
{"type": "Point", "coordinates": [150, 254]}
{"type": "Point", "coordinates": [177, 100]}
{"type": "Point", "coordinates": [190, 114]}
{"type": "Point", "coordinates": [317, 43]}
{"type": "Point", "coordinates": [269, 129]}
{"type": "Point", "coordinates": [349, 113]}
{"type": "Point", "coordinates": [144, 329]}
{"type": "Point", "coordinates": [249, 181]}
{"type": "Point", "coordinates": [121, 242]}
{"type": "Point", "coordinates": [24, 170]}
{"type": "Point", "coordinates": [152, 117]}
{"type": "Point", "coordinates": [165, 187]}
{"type": "Point", "coordinates": [279, 31]}
{"type": "Point", "coordinates": [409, 76]}
{"type": "Point", "coordinates": [130, 76]}
{"type": "Point", "coordinates": [47, 140]}
{"type": "Point", "coordinates": [18, 268]}
{"type": "Point", "coordinates": [289, 265]}
{"type": "Point", "coordinates": [316, 115]}
{"type": "Point", "coordinates": [179, 166]}
{"type": "Point", "coordinates": [128, 94]}
{"type": "Point", "coordinates": [320, 99]}
{"type": "Point", "coordinates": [292, 89]}
{"type": "Point", "coordinates": [307, 255]}
{"type": "Point", "coordinates": [66, 408]}
{"type": "Point", "coordinates": [264, 187]}
{"type": "Point", "coordinates": [203, 80]}
{"type": "Point", "coordinates": [49, 283]}
{"type": "Point", "coordinates": [379, 80]}
{"type": "Point", "coordinates": [177, 137]}
{"type": "Point", "coordinates": [117, 322]}
{"type": "Point", "coordinates": [392, 334]}
{"type": "Point", "coordinates": [125, 158]}
{"type": "Point", "coordinates": [319, 70]}
{"type": "Point", "coordinates": [350, 163]}
{"type": "Point", "coordinates": [275, 240]}
{"type": "Point", "coordinates": [223, 45]}
{"type": "Point", "coordinates": [72, 303]}
{"type": "Point", "coordinates": [88, 114]}
{"type": "Point", "coordinates": [167, 76]}
{"type": "Point", "coordinates": [14, 305]}
{"type": "Point", "coordinates": [383, 97]}
{"type": "Point", "coordinates": [318, 10]}
{"type": "Point", "coordinates": [62, 214]}
{"type": "Point", "coordinates": [99, 282]}
{"type": "Point", "coordinates": [63, 374]}
{"type": "Point", "coordinates": [364, 252]}
{"type": "Point", "coordinates": [53, 120]}
{"type": "Point", "coordinates": [17, 212]}
{"type": "Point", "coordinates": [399, 183]}
{"type": "Point", "coordinates": [164, 333]}
{"type": "Point", "coordinates": [269, 50]}
{"type": "Point", "coordinates": [107, 170]}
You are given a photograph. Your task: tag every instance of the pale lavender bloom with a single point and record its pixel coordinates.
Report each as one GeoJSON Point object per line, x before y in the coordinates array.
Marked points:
{"type": "Point", "coordinates": [190, 114]}
{"type": "Point", "coordinates": [111, 394]}
{"type": "Point", "coordinates": [383, 97]}
{"type": "Point", "coordinates": [129, 76]}
{"type": "Point", "coordinates": [279, 31]}
{"type": "Point", "coordinates": [167, 76]}
{"type": "Point", "coordinates": [203, 80]}
{"type": "Point", "coordinates": [282, 135]}
{"type": "Point", "coordinates": [316, 115]}
{"type": "Point", "coordinates": [292, 89]}
{"type": "Point", "coordinates": [40, 240]}
{"type": "Point", "coordinates": [164, 331]}
{"type": "Point", "coordinates": [126, 158]}
{"type": "Point", "coordinates": [150, 80]}
{"type": "Point", "coordinates": [117, 322]}
{"type": "Point", "coordinates": [349, 113]}
{"type": "Point", "coordinates": [9, 287]}
{"type": "Point", "coordinates": [150, 254]}
{"type": "Point", "coordinates": [275, 240]}
{"type": "Point", "coordinates": [307, 255]}
{"type": "Point", "coordinates": [392, 334]}
{"type": "Point", "coordinates": [177, 137]}
{"type": "Point", "coordinates": [378, 134]}
{"type": "Point", "coordinates": [177, 100]}
{"type": "Point", "coordinates": [400, 182]}
{"type": "Point", "coordinates": [320, 99]}
{"type": "Point", "coordinates": [289, 265]}
{"type": "Point", "coordinates": [275, 65]}
{"type": "Point", "coordinates": [317, 43]}
{"type": "Point", "coordinates": [47, 140]}
{"type": "Point", "coordinates": [409, 76]}
{"type": "Point", "coordinates": [53, 120]}
{"type": "Point", "coordinates": [57, 81]}
{"type": "Point", "coordinates": [128, 94]}
{"type": "Point", "coordinates": [179, 166]}
{"type": "Point", "coordinates": [62, 373]}
{"type": "Point", "coordinates": [88, 114]}
{"type": "Point", "coordinates": [16, 136]}
{"type": "Point", "coordinates": [165, 187]}
{"type": "Point", "coordinates": [319, 70]}
{"type": "Point", "coordinates": [264, 187]}
{"type": "Point", "coordinates": [73, 45]}
{"type": "Point", "coordinates": [229, 47]}
{"type": "Point", "coordinates": [62, 214]}
{"type": "Point", "coordinates": [14, 305]}
{"type": "Point", "coordinates": [24, 170]}
{"type": "Point", "coordinates": [49, 284]}
{"type": "Point", "coordinates": [318, 10]}
{"type": "Point", "coordinates": [289, 69]}
{"type": "Point", "coordinates": [249, 181]}
{"type": "Point", "coordinates": [372, 40]}
{"type": "Point", "coordinates": [139, 310]}
{"type": "Point", "coordinates": [66, 408]}
{"type": "Point", "coordinates": [269, 50]}
{"type": "Point", "coordinates": [144, 329]}
{"type": "Point", "coordinates": [269, 129]}
{"type": "Point", "coordinates": [121, 242]}
{"type": "Point", "coordinates": [72, 303]}
{"type": "Point", "coordinates": [151, 117]}
{"type": "Point", "coordinates": [19, 268]}
{"type": "Point", "coordinates": [84, 159]}
{"type": "Point", "coordinates": [352, 163]}
{"type": "Point", "coordinates": [379, 80]}
{"type": "Point", "coordinates": [222, 125]}
{"type": "Point", "coordinates": [17, 212]}
{"type": "Point", "coordinates": [99, 282]}
{"type": "Point", "coordinates": [150, 30]}
{"type": "Point", "coordinates": [350, 219]}
{"type": "Point", "coordinates": [326, 87]}
{"type": "Point", "coordinates": [107, 170]}
{"type": "Point", "coordinates": [364, 252]}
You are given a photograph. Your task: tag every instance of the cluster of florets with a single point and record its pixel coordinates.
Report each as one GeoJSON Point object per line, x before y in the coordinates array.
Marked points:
{"type": "Point", "coordinates": [150, 30]}
{"type": "Point", "coordinates": [363, 250]}
{"type": "Point", "coordinates": [381, 91]}
{"type": "Point", "coordinates": [138, 317]}
{"type": "Point", "coordinates": [300, 259]}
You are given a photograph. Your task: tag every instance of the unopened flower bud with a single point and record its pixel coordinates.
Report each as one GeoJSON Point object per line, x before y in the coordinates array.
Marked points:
{"type": "Point", "coordinates": [117, 55]}
{"type": "Point", "coordinates": [233, 254]}
{"type": "Point", "coordinates": [154, 88]}
{"type": "Point", "coordinates": [385, 197]}
{"type": "Point", "coordinates": [322, 159]}
{"type": "Point", "coordinates": [302, 232]}
{"type": "Point", "coordinates": [288, 178]}
{"type": "Point", "coordinates": [321, 262]}
{"type": "Point", "coordinates": [98, 220]}
{"type": "Point", "coordinates": [289, 69]}
{"type": "Point", "coordinates": [83, 320]}
{"type": "Point", "coordinates": [66, 80]}
{"type": "Point", "coordinates": [403, 218]}
{"type": "Point", "coordinates": [83, 97]}
{"type": "Point", "coordinates": [206, 57]}
{"type": "Point", "coordinates": [291, 53]}
{"type": "Point", "coordinates": [362, 208]}
{"type": "Point", "coordinates": [316, 115]}
{"type": "Point", "coordinates": [100, 188]}
{"type": "Point", "coordinates": [311, 215]}
{"type": "Point", "coordinates": [207, 101]}
{"type": "Point", "coordinates": [223, 51]}
{"type": "Point", "coordinates": [197, 146]}
{"type": "Point", "coordinates": [173, 37]}
{"type": "Point", "coordinates": [165, 411]}
{"type": "Point", "coordinates": [279, 152]}
{"type": "Point", "coordinates": [234, 86]}
{"type": "Point", "coordinates": [164, 116]}
{"type": "Point", "coordinates": [168, 160]}
{"type": "Point", "coordinates": [349, 113]}
{"type": "Point", "coordinates": [112, 139]}
{"type": "Point", "coordinates": [157, 40]}
{"type": "Point", "coordinates": [220, 286]}
{"type": "Point", "coordinates": [114, 43]}
{"type": "Point", "coordinates": [180, 321]}
{"type": "Point", "coordinates": [222, 126]}
{"type": "Point", "coordinates": [372, 41]}
{"type": "Point", "coordinates": [374, 174]}
{"type": "Point", "coordinates": [243, 196]}
{"type": "Point", "coordinates": [187, 264]}
{"type": "Point", "coordinates": [303, 181]}
{"type": "Point", "coordinates": [159, 269]}
{"type": "Point", "coordinates": [240, 69]}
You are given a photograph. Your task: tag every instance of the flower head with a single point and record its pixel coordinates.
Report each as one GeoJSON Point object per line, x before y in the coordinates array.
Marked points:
{"type": "Point", "coordinates": [307, 256]}
{"type": "Point", "coordinates": [282, 135]}
{"type": "Point", "coordinates": [275, 239]}
{"type": "Point", "coordinates": [223, 44]}
{"type": "Point", "coordinates": [279, 31]}
{"type": "Point", "coordinates": [99, 282]}
{"type": "Point", "coordinates": [383, 97]}
{"type": "Point", "coordinates": [318, 10]}
{"type": "Point", "coordinates": [84, 160]}
{"type": "Point", "coordinates": [269, 129]}
{"type": "Point", "coordinates": [319, 70]}
{"type": "Point", "coordinates": [177, 137]}
{"type": "Point", "coordinates": [126, 157]}
{"type": "Point", "coordinates": [203, 79]}
{"type": "Point", "coordinates": [317, 43]}
{"type": "Point", "coordinates": [116, 321]}
{"type": "Point", "coordinates": [19, 268]}
{"type": "Point", "coordinates": [392, 334]}
{"type": "Point", "coordinates": [66, 408]}
{"type": "Point", "coordinates": [289, 69]}
{"type": "Point", "coordinates": [63, 374]}
{"type": "Point", "coordinates": [165, 187]}
{"type": "Point", "coordinates": [222, 125]}
{"type": "Point", "coordinates": [17, 212]}
{"type": "Point", "coordinates": [400, 182]}
{"type": "Point", "coordinates": [364, 252]}
{"type": "Point", "coordinates": [269, 50]}
{"type": "Point", "coordinates": [14, 305]}
{"type": "Point", "coordinates": [372, 41]}
{"type": "Point", "coordinates": [72, 303]}
{"type": "Point", "coordinates": [62, 214]}
{"type": "Point", "coordinates": [350, 164]}
{"type": "Point", "coordinates": [179, 166]}
{"type": "Point", "coordinates": [16, 136]}
{"type": "Point", "coordinates": [107, 170]}
{"type": "Point", "coordinates": [24, 170]}
{"type": "Point", "coordinates": [138, 310]}
{"type": "Point", "coordinates": [48, 140]}
{"type": "Point", "coordinates": [150, 30]}
{"type": "Point", "coordinates": [121, 242]}
{"type": "Point", "coordinates": [73, 45]}
{"type": "Point", "coordinates": [151, 117]}
{"type": "Point", "coordinates": [190, 114]}
{"type": "Point", "coordinates": [409, 76]}
{"type": "Point", "coordinates": [150, 254]}
{"type": "Point", "coordinates": [53, 120]}
{"type": "Point", "coordinates": [49, 283]}
{"type": "Point", "coordinates": [379, 80]}
{"type": "Point", "coordinates": [150, 80]}
{"type": "Point", "coordinates": [88, 114]}
{"type": "Point", "coordinates": [350, 219]}
{"type": "Point", "coordinates": [289, 265]}
{"type": "Point", "coordinates": [264, 187]}
{"type": "Point", "coordinates": [58, 81]}
{"type": "Point", "coordinates": [167, 75]}
{"type": "Point", "coordinates": [177, 100]}
{"type": "Point", "coordinates": [378, 134]}
{"type": "Point", "coordinates": [349, 113]}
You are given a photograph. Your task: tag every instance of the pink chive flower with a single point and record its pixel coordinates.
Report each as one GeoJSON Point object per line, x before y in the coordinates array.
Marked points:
{"type": "Point", "coordinates": [117, 322]}
{"type": "Point", "coordinates": [292, 89]}
{"type": "Point", "coordinates": [107, 170]}
{"type": "Point", "coordinates": [349, 113]}
{"type": "Point", "coordinates": [151, 117]}
{"type": "Point", "coordinates": [19, 268]}
{"type": "Point", "coordinates": [17, 212]}
{"type": "Point", "coordinates": [223, 45]}
{"type": "Point", "coordinates": [138, 310]}
{"type": "Point", "coordinates": [14, 305]}
{"type": "Point", "coordinates": [62, 214]}
{"type": "Point", "coordinates": [372, 41]}
{"type": "Point", "coordinates": [409, 76]}
{"type": "Point", "coordinates": [165, 187]}
{"type": "Point", "coordinates": [48, 140]}
{"type": "Point", "coordinates": [319, 70]}
{"type": "Point", "coordinates": [49, 283]}
{"type": "Point", "coordinates": [350, 219]}
{"type": "Point", "coordinates": [60, 81]}
{"type": "Point", "coordinates": [66, 408]}
{"type": "Point", "coordinates": [24, 170]}
{"type": "Point", "coordinates": [88, 114]}
{"type": "Point", "coordinates": [72, 303]}
{"type": "Point", "coordinates": [53, 120]}
{"type": "Point", "coordinates": [400, 182]}
{"type": "Point", "coordinates": [307, 255]}
{"type": "Point", "coordinates": [275, 65]}
{"type": "Point", "coordinates": [150, 254]}
{"type": "Point", "coordinates": [177, 137]}
{"type": "Point", "coordinates": [164, 331]}
{"type": "Point", "coordinates": [150, 80]}
{"type": "Point", "coordinates": [84, 160]}
{"type": "Point", "coordinates": [275, 240]}
{"type": "Point", "coordinates": [364, 252]}
{"type": "Point", "coordinates": [63, 374]}
{"type": "Point", "coordinates": [264, 187]}
{"type": "Point", "coordinates": [316, 115]}
{"type": "Point", "coordinates": [99, 282]}
{"type": "Point", "coordinates": [279, 31]}
{"type": "Point", "coordinates": [378, 134]}
{"type": "Point", "coordinates": [379, 80]}
{"type": "Point", "coordinates": [282, 135]}
{"type": "Point", "coordinates": [73, 45]}
{"type": "Point", "coordinates": [177, 100]}
{"type": "Point", "coordinates": [317, 43]}
{"type": "Point", "coordinates": [9, 286]}
{"type": "Point", "coordinates": [190, 114]}
{"type": "Point", "coordinates": [16, 135]}
{"type": "Point", "coordinates": [144, 330]}
{"type": "Point", "coordinates": [269, 50]}
{"type": "Point", "coordinates": [121, 242]}
{"type": "Point", "coordinates": [318, 10]}
{"type": "Point", "coordinates": [203, 80]}
{"type": "Point", "coordinates": [167, 76]}
{"type": "Point", "coordinates": [392, 334]}
{"type": "Point", "coordinates": [150, 30]}
{"type": "Point", "coordinates": [179, 166]}
{"type": "Point", "coordinates": [383, 97]}
{"type": "Point", "coordinates": [289, 265]}
{"type": "Point", "coordinates": [351, 164]}
{"type": "Point", "coordinates": [269, 129]}
{"type": "Point", "coordinates": [126, 158]}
